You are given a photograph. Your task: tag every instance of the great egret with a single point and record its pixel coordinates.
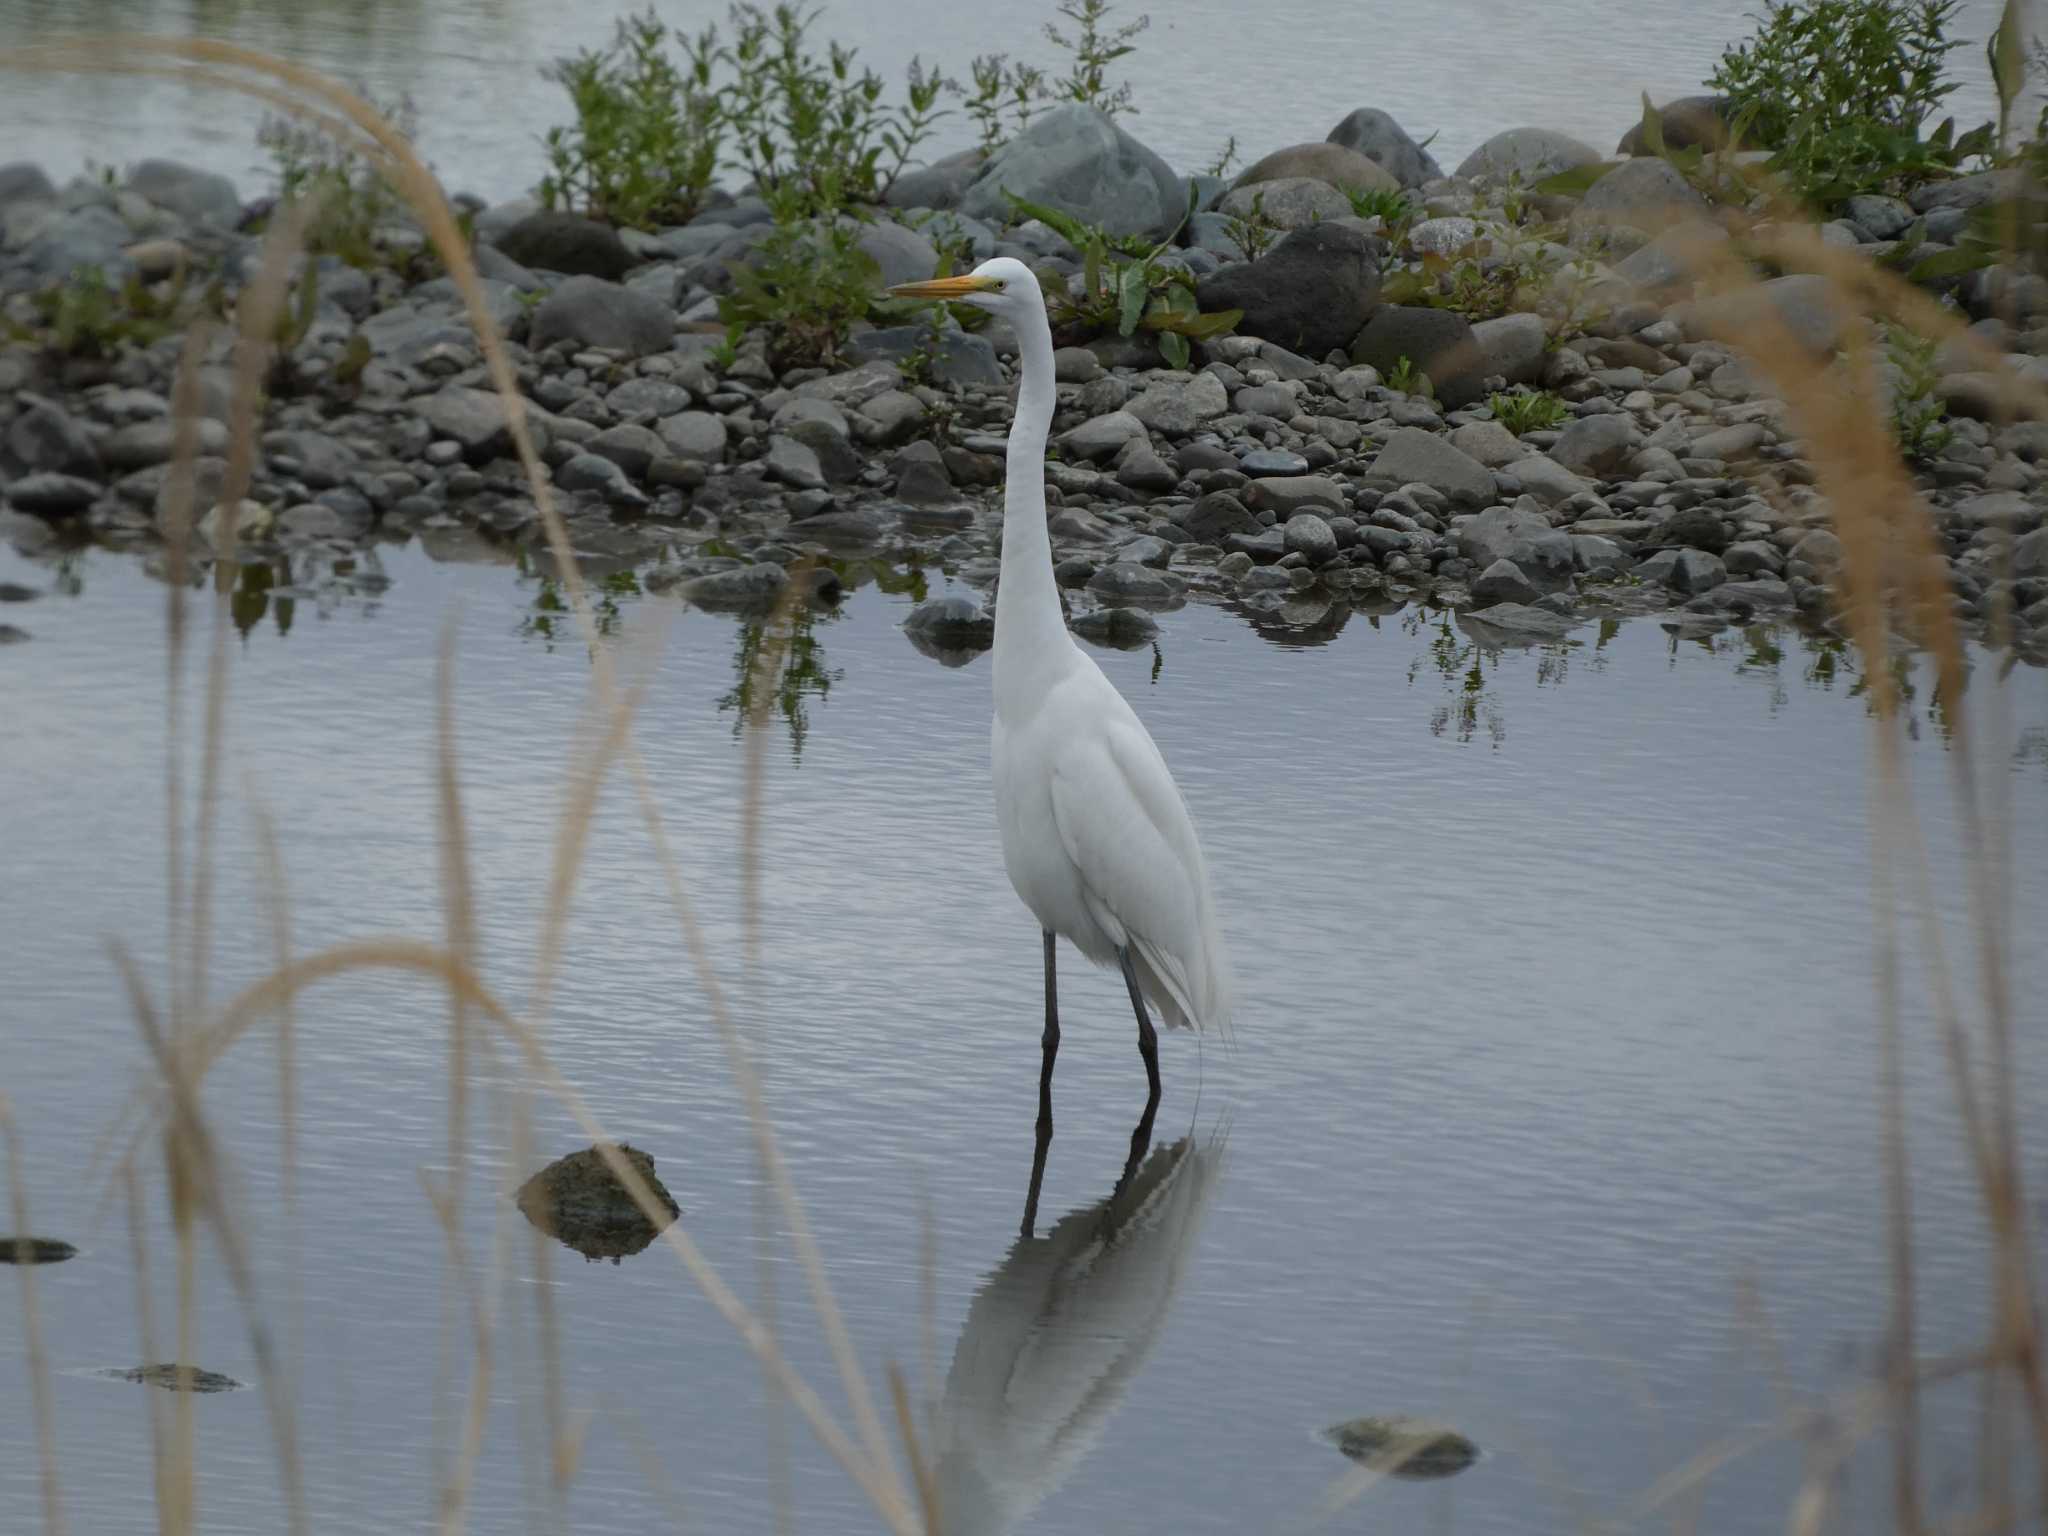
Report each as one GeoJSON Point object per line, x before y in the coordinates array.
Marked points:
{"type": "Point", "coordinates": [1096, 837]}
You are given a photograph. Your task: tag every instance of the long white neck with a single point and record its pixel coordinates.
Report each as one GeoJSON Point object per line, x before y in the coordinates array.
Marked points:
{"type": "Point", "coordinates": [1031, 635]}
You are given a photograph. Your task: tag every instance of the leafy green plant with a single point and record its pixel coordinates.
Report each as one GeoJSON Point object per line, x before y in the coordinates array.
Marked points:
{"type": "Point", "coordinates": [1095, 44]}
{"type": "Point", "coordinates": [1406, 379]}
{"type": "Point", "coordinates": [645, 143]}
{"type": "Point", "coordinates": [1127, 288]}
{"type": "Point", "coordinates": [805, 285]}
{"type": "Point", "coordinates": [1225, 159]}
{"type": "Point", "coordinates": [1004, 98]}
{"type": "Point", "coordinates": [1840, 90]}
{"type": "Point", "coordinates": [352, 200]}
{"type": "Point", "coordinates": [812, 123]}
{"type": "Point", "coordinates": [88, 315]}
{"type": "Point", "coordinates": [1252, 233]}
{"type": "Point", "coordinates": [1390, 206]}
{"type": "Point", "coordinates": [1532, 411]}
{"type": "Point", "coordinates": [1919, 415]}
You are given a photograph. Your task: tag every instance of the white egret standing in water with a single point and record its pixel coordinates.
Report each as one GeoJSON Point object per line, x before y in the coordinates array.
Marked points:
{"type": "Point", "coordinates": [1096, 838]}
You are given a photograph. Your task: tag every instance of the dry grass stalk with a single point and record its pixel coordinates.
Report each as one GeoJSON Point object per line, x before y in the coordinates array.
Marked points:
{"type": "Point", "coordinates": [32, 1332]}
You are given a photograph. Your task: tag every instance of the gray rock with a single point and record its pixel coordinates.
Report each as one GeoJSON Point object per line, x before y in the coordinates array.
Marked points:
{"type": "Point", "coordinates": [197, 197]}
{"type": "Point", "coordinates": [1759, 596]}
{"type": "Point", "coordinates": [745, 587]}
{"type": "Point", "coordinates": [1972, 191]}
{"type": "Point", "coordinates": [921, 477]}
{"type": "Point", "coordinates": [2029, 553]}
{"type": "Point", "coordinates": [1696, 571]}
{"type": "Point", "coordinates": [1693, 528]}
{"type": "Point", "coordinates": [1263, 463]}
{"type": "Point", "coordinates": [2007, 510]}
{"type": "Point", "coordinates": [1882, 218]}
{"type": "Point", "coordinates": [1076, 159]}
{"type": "Point", "coordinates": [843, 527]}
{"type": "Point", "coordinates": [697, 435]}
{"type": "Point", "coordinates": [1488, 442]}
{"type": "Point", "coordinates": [1671, 260]}
{"type": "Point", "coordinates": [902, 255]}
{"type": "Point", "coordinates": [1752, 557]}
{"type": "Point", "coordinates": [315, 520]}
{"type": "Point", "coordinates": [1217, 516]}
{"type": "Point", "coordinates": [961, 358]}
{"type": "Point", "coordinates": [1595, 445]}
{"type": "Point", "coordinates": [1127, 581]}
{"type": "Point", "coordinates": [953, 628]}
{"type": "Point", "coordinates": [1444, 236]}
{"type": "Point", "coordinates": [143, 444]}
{"type": "Point", "coordinates": [648, 397]}
{"type": "Point", "coordinates": [1439, 342]}
{"type": "Point", "coordinates": [1516, 624]}
{"type": "Point", "coordinates": [1383, 141]}
{"type": "Point", "coordinates": [633, 448]}
{"type": "Point", "coordinates": [475, 419]}
{"type": "Point", "coordinates": [1143, 470]}
{"type": "Point", "coordinates": [1546, 479]}
{"type": "Point", "coordinates": [1311, 293]}
{"type": "Point", "coordinates": [793, 463]}
{"type": "Point", "coordinates": [1335, 165]}
{"type": "Point", "coordinates": [1177, 406]}
{"type": "Point", "coordinates": [50, 494]}
{"type": "Point", "coordinates": [1413, 455]}
{"type": "Point", "coordinates": [23, 181]}
{"type": "Point", "coordinates": [1593, 555]}
{"type": "Point", "coordinates": [1523, 538]}
{"type": "Point", "coordinates": [942, 184]}
{"type": "Point", "coordinates": [1307, 535]}
{"type": "Point", "coordinates": [322, 462]}
{"type": "Point", "coordinates": [1535, 153]}
{"type": "Point", "coordinates": [566, 243]}
{"type": "Point", "coordinates": [46, 436]}
{"type": "Point", "coordinates": [594, 313]}
{"type": "Point", "coordinates": [889, 418]}
{"type": "Point", "coordinates": [1293, 202]}
{"type": "Point", "coordinates": [87, 237]}
{"type": "Point", "coordinates": [1803, 305]}
{"type": "Point", "coordinates": [1286, 495]}
{"type": "Point", "coordinates": [1649, 183]}
{"type": "Point", "coordinates": [595, 473]}
{"type": "Point", "coordinates": [1690, 122]}
{"type": "Point", "coordinates": [1503, 582]}
{"type": "Point", "coordinates": [1513, 346]}
{"type": "Point", "coordinates": [1123, 629]}
{"type": "Point", "coordinates": [1735, 443]}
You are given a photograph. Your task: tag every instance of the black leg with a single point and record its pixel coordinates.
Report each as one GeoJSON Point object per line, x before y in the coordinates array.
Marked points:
{"type": "Point", "coordinates": [1148, 1047]}
{"type": "Point", "coordinates": [1049, 1043]}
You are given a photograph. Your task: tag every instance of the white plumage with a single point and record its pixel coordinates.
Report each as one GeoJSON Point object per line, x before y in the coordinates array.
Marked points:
{"type": "Point", "coordinates": [1096, 837]}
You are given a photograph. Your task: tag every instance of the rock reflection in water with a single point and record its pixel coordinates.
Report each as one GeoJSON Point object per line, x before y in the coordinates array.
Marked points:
{"type": "Point", "coordinates": [1056, 1334]}
{"type": "Point", "coordinates": [1401, 1446]}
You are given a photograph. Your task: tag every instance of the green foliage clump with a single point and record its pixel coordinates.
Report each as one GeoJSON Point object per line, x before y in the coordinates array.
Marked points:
{"type": "Point", "coordinates": [1094, 45]}
{"type": "Point", "coordinates": [1125, 288]}
{"type": "Point", "coordinates": [1390, 207]}
{"type": "Point", "coordinates": [1252, 233]}
{"type": "Point", "coordinates": [645, 143]}
{"type": "Point", "coordinates": [1530, 411]}
{"type": "Point", "coordinates": [1406, 379]}
{"type": "Point", "coordinates": [1841, 89]}
{"type": "Point", "coordinates": [1919, 415]}
{"type": "Point", "coordinates": [353, 203]}
{"type": "Point", "coordinates": [88, 315]}
{"type": "Point", "coordinates": [1005, 97]}
{"type": "Point", "coordinates": [806, 285]}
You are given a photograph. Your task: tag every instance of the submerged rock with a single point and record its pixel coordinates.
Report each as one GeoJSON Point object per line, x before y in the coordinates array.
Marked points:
{"type": "Point", "coordinates": [1122, 629]}
{"type": "Point", "coordinates": [35, 1250]}
{"type": "Point", "coordinates": [168, 1377]}
{"type": "Point", "coordinates": [578, 1201]}
{"type": "Point", "coordinates": [952, 630]}
{"type": "Point", "coordinates": [1404, 1447]}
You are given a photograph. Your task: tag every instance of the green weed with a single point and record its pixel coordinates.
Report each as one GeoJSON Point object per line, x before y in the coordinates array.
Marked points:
{"type": "Point", "coordinates": [1522, 412]}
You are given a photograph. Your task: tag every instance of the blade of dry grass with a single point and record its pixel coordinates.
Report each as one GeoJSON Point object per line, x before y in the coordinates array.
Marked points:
{"type": "Point", "coordinates": [32, 1332]}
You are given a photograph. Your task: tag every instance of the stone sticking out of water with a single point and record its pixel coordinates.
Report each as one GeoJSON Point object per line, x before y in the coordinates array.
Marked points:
{"type": "Point", "coordinates": [167, 1377]}
{"type": "Point", "coordinates": [35, 1250]}
{"type": "Point", "coordinates": [577, 1201]}
{"type": "Point", "coordinates": [1403, 1446]}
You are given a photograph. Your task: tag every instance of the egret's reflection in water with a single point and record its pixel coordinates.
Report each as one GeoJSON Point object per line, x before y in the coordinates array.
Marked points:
{"type": "Point", "coordinates": [1056, 1333]}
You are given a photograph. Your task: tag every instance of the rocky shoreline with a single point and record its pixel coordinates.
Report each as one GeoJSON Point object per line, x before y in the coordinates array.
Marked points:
{"type": "Point", "coordinates": [1282, 472]}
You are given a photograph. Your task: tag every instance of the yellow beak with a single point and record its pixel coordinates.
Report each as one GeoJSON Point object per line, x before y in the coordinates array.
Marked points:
{"type": "Point", "coordinates": [944, 288]}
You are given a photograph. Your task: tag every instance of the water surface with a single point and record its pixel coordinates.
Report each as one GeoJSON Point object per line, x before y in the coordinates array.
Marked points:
{"type": "Point", "coordinates": [1458, 70]}
{"type": "Point", "coordinates": [1551, 1111]}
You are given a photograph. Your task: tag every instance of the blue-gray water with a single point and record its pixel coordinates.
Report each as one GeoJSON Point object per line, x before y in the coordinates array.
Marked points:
{"type": "Point", "coordinates": [1204, 71]}
{"type": "Point", "coordinates": [1558, 1043]}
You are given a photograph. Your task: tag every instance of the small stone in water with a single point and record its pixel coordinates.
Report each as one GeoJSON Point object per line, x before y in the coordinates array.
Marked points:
{"type": "Point", "coordinates": [1404, 1446]}
{"type": "Point", "coordinates": [1124, 629]}
{"type": "Point", "coordinates": [1273, 461]}
{"type": "Point", "coordinates": [578, 1201]}
{"type": "Point", "coordinates": [34, 1250]}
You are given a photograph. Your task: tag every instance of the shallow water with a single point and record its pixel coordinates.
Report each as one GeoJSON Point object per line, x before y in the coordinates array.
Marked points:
{"type": "Point", "coordinates": [1551, 1112]}
{"type": "Point", "coordinates": [1461, 70]}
